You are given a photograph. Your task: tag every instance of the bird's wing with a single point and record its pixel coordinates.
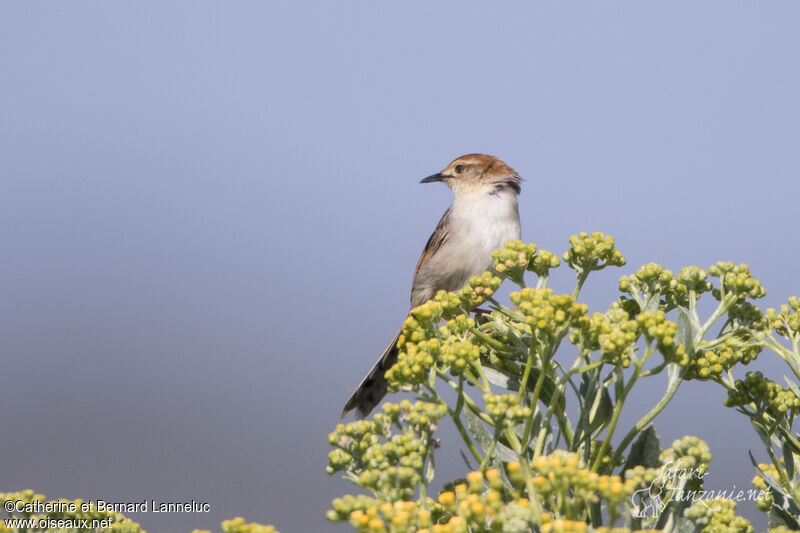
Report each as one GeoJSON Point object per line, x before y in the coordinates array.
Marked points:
{"type": "Point", "coordinates": [435, 241]}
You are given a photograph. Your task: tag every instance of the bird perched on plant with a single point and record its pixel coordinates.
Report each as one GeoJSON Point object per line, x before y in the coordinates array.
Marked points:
{"type": "Point", "coordinates": [483, 216]}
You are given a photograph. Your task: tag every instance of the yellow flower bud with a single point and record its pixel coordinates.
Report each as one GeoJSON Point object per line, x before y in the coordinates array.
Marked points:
{"type": "Point", "coordinates": [447, 498]}
{"type": "Point", "coordinates": [475, 478]}
{"type": "Point", "coordinates": [376, 524]}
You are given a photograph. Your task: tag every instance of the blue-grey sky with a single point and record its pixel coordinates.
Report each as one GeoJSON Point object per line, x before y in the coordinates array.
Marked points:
{"type": "Point", "coordinates": [210, 212]}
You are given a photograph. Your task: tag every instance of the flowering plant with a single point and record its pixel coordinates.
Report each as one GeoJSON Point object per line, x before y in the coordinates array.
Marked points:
{"type": "Point", "coordinates": [541, 433]}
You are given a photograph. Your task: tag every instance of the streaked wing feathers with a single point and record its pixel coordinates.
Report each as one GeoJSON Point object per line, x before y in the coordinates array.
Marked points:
{"type": "Point", "coordinates": [435, 241]}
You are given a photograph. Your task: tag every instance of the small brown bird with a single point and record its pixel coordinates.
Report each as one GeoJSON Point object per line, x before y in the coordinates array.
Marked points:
{"type": "Point", "coordinates": [483, 216]}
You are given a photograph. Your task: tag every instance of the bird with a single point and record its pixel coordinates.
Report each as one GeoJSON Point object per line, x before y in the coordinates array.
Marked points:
{"type": "Point", "coordinates": [483, 216]}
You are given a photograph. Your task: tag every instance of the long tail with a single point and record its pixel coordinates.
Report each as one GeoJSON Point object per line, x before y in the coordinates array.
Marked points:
{"type": "Point", "coordinates": [373, 387]}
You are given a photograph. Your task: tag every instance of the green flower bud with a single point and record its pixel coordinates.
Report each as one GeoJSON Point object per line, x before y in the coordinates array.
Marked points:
{"type": "Point", "coordinates": [654, 326]}
{"type": "Point", "coordinates": [548, 314]}
{"type": "Point", "coordinates": [592, 252]}
{"type": "Point", "coordinates": [736, 281]}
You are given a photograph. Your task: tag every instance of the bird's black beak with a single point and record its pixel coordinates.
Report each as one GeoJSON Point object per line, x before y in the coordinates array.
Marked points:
{"type": "Point", "coordinates": [434, 177]}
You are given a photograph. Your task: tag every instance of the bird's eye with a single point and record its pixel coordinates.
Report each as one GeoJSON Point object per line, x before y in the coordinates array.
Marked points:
{"type": "Point", "coordinates": [459, 168]}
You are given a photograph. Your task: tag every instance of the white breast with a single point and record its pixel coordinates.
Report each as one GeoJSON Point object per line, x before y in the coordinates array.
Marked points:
{"type": "Point", "coordinates": [478, 224]}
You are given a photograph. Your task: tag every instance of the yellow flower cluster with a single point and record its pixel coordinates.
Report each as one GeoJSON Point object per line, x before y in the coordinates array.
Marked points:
{"type": "Point", "coordinates": [23, 496]}
{"type": "Point", "coordinates": [238, 525]}
{"type": "Point", "coordinates": [689, 454]}
{"type": "Point", "coordinates": [764, 502]}
{"type": "Point", "coordinates": [736, 280]}
{"type": "Point", "coordinates": [717, 516]}
{"type": "Point", "coordinates": [625, 530]}
{"type": "Point", "coordinates": [656, 327]}
{"type": "Point", "coordinates": [388, 465]}
{"type": "Point", "coordinates": [746, 314]}
{"type": "Point", "coordinates": [652, 278]}
{"type": "Point", "coordinates": [560, 525]}
{"type": "Point", "coordinates": [413, 363]}
{"type": "Point", "coordinates": [421, 417]}
{"type": "Point", "coordinates": [472, 506]}
{"type": "Point", "coordinates": [469, 506]}
{"type": "Point", "coordinates": [577, 526]}
{"type": "Point", "coordinates": [63, 511]}
{"type": "Point", "coordinates": [563, 480]}
{"type": "Point", "coordinates": [641, 476]}
{"type": "Point", "coordinates": [710, 363]}
{"type": "Point", "coordinates": [592, 252]}
{"type": "Point", "coordinates": [505, 408]}
{"type": "Point", "coordinates": [483, 502]}
{"type": "Point", "coordinates": [343, 507]}
{"type": "Point", "coordinates": [119, 523]}
{"type": "Point", "coordinates": [764, 394]}
{"type": "Point", "coordinates": [400, 516]}
{"type": "Point", "coordinates": [786, 321]}
{"type": "Point", "coordinates": [423, 344]}
{"type": "Point", "coordinates": [459, 356]}
{"type": "Point", "coordinates": [458, 327]}
{"type": "Point", "coordinates": [612, 333]}
{"type": "Point", "coordinates": [515, 258]}
{"type": "Point", "coordinates": [544, 262]}
{"type": "Point", "coordinates": [694, 279]}
{"type": "Point", "coordinates": [422, 322]}
{"type": "Point", "coordinates": [684, 466]}
{"type": "Point", "coordinates": [477, 290]}
{"type": "Point", "coordinates": [548, 314]}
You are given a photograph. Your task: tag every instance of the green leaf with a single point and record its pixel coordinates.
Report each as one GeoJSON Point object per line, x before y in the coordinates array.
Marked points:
{"type": "Point", "coordinates": [685, 333]}
{"type": "Point", "coordinates": [466, 460]}
{"type": "Point", "coordinates": [644, 450]}
{"type": "Point", "coordinates": [780, 517]}
{"type": "Point", "coordinates": [792, 385]}
{"type": "Point", "coordinates": [788, 458]}
{"type": "Point", "coordinates": [601, 411]}
{"type": "Point", "coordinates": [755, 463]}
{"type": "Point", "coordinates": [586, 392]}
{"type": "Point", "coordinates": [430, 472]}
{"type": "Point", "coordinates": [652, 303]}
{"type": "Point", "coordinates": [674, 372]}
{"type": "Point", "coordinates": [784, 510]}
{"type": "Point", "coordinates": [478, 430]}
{"type": "Point", "coordinates": [501, 379]}
{"type": "Point", "coordinates": [502, 453]}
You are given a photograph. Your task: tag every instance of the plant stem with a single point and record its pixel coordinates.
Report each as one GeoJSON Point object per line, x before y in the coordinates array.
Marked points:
{"type": "Point", "coordinates": [646, 419]}
{"type": "Point", "coordinates": [456, 416]}
{"type": "Point", "coordinates": [467, 400]}
{"type": "Point", "coordinates": [621, 393]}
{"type": "Point", "coordinates": [582, 275]}
{"type": "Point", "coordinates": [525, 375]}
{"type": "Point", "coordinates": [526, 434]}
{"type": "Point", "coordinates": [490, 451]}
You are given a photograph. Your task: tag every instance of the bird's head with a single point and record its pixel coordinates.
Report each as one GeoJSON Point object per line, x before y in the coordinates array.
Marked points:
{"type": "Point", "coordinates": [477, 172]}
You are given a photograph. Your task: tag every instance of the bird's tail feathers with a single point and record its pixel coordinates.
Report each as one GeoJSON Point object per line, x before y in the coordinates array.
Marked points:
{"type": "Point", "coordinates": [372, 388]}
